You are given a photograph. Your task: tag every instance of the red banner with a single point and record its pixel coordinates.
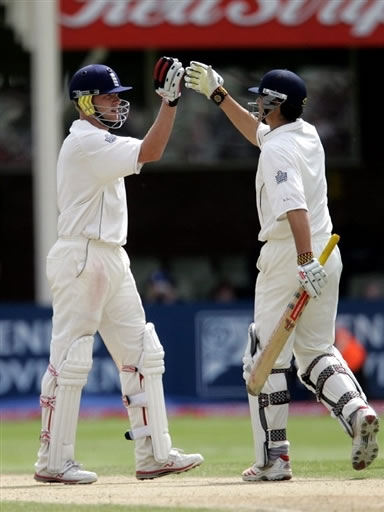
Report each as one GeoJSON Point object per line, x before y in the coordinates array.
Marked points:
{"type": "Point", "coordinates": [123, 24]}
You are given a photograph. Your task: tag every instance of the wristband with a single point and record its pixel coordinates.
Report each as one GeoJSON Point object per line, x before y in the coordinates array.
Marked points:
{"type": "Point", "coordinates": [304, 257]}
{"type": "Point", "coordinates": [218, 95]}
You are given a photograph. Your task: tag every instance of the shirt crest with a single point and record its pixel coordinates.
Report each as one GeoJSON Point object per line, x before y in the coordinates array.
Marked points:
{"type": "Point", "coordinates": [110, 138]}
{"type": "Point", "coordinates": [281, 177]}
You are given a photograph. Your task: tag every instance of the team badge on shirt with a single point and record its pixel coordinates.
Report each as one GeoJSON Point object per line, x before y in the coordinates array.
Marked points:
{"type": "Point", "coordinates": [110, 138]}
{"type": "Point", "coordinates": [281, 177]}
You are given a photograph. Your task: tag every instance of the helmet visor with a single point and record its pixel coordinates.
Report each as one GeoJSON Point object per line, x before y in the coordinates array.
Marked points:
{"type": "Point", "coordinates": [267, 101]}
{"type": "Point", "coordinates": [268, 92]}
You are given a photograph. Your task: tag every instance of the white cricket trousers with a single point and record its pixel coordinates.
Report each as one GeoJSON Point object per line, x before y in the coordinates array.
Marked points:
{"type": "Point", "coordinates": [94, 290]}
{"type": "Point", "coordinates": [276, 282]}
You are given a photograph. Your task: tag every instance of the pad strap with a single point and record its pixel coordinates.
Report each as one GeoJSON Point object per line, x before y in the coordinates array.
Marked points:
{"type": "Point", "coordinates": [325, 374]}
{"type": "Point", "coordinates": [347, 397]}
{"type": "Point", "coordinates": [336, 393]}
{"type": "Point", "coordinates": [137, 433]}
{"type": "Point", "coordinates": [277, 398]}
{"type": "Point", "coordinates": [277, 435]}
{"type": "Point", "coordinates": [306, 376]}
{"type": "Point", "coordinates": [138, 400]}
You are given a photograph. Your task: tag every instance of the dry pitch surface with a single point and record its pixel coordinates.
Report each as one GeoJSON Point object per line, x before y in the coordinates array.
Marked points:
{"type": "Point", "coordinates": [297, 495]}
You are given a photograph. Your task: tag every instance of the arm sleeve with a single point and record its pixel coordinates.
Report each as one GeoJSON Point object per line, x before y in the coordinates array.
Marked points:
{"type": "Point", "coordinates": [111, 157]}
{"type": "Point", "coordinates": [283, 183]}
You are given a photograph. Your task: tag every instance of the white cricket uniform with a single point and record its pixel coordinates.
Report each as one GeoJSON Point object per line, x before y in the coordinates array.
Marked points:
{"type": "Point", "coordinates": [93, 288]}
{"type": "Point", "coordinates": [290, 176]}
{"type": "Point", "coordinates": [87, 268]}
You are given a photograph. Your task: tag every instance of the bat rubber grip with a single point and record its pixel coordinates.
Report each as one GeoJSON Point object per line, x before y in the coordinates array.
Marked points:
{"type": "Point", "coordinates": [332, 242]}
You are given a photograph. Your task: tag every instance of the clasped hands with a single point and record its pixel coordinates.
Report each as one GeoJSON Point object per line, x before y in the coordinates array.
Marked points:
{"type": "Point", "coordinates": [169, 72]}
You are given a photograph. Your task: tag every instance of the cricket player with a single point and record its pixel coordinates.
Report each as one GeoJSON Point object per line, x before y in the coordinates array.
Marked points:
{"type": "Point", "coordinates": [295, 225]}
{"type": "Point", "coordinates": [92, 284]}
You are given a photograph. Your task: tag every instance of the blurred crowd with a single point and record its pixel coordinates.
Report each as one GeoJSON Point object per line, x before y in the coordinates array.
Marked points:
{"type": "Point", "coordinates": [161, 286]}
{"type": "Point", "coordinates": [196, 122]}
{"type": "Point", "coordinates": [198, 126]}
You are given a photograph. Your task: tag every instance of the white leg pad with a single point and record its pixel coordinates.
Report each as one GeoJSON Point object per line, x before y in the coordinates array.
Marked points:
{"type": "Point", "coordinates": [47, 403]}
{"type": "Point", "coordinates": [343, 362]}
{"type": "Point", "coordinates": [335, 386]}
{"type": "Point", "coordinates": [152, 368]}
{"type": "Point", "coordinates": [72, 377]}
{"type": "Point", "coordinates": [269, 417]}
{"type": "Point", "coordinates": [135, 401]}
{"type": "Point", "coordinates": [269, 410]}
{"type": "Point", "coordinates": [146, 410]}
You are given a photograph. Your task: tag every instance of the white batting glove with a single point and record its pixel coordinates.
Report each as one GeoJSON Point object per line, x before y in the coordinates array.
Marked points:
{"type": "Point", "coordinates": [202, 78]}
{"type": "Point", "coordinates": [312, 277]}
{"type": "Point", "coordinates": [167, 77]}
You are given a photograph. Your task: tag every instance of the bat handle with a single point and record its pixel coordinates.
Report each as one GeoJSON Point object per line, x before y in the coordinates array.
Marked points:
{"type": "Point", "coordinates": [332, 242]}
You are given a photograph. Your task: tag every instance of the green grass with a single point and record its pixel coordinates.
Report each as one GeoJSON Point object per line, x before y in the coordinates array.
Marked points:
{"type": "Point", "coordinates": [319, 448]}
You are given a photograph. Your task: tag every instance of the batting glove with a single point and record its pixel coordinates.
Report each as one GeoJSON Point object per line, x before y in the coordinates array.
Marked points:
{"type": "Point", "coordinates": [202, 78]}
{"type": "Point", "coordinates": [167, 77]}
{"type": "Point", "coordinates": [312, 277]}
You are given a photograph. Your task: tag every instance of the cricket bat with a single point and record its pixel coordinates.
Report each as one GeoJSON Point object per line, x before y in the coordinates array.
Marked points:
{"type": "Point", "coordinates": [267, 358]}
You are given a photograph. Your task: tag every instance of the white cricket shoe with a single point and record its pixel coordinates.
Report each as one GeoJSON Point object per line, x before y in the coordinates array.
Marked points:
{"type": "Point", "coordinates": [72, 474]}
{"type": "Point", "coordinates": [364, 445]}
{"type": "Point", "coordinates": [278, 469]}
{"type": "Point", "coordinates": [178, 462]}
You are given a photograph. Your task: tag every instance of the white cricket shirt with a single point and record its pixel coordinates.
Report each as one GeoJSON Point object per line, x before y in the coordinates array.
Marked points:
{"type": "Point", "coordinates": [91, 194]}
{"type": "Point", "coordinates": [290, 176]}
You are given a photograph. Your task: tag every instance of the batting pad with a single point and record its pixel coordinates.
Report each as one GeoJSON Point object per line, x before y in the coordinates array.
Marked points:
{"type": "Point", "coordinates": [146, 409]}
{"type": "Point", "coordinates": [269, 417]}
{"type": "Point", "coordinates": [152, 368]}
{"type": "Point", "coordinates": [335, 386]}
{"type": "Point", "coordinates": [72, 378]}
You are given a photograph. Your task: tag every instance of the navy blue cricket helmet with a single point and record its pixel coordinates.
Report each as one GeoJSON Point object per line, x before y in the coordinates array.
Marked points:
{"type": "Point", "coordinates": [95, 79]}
{"type": "Point", "coordinates": [286, 83]}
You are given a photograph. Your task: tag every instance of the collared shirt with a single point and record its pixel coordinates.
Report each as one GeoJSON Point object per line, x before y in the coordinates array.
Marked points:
{"type": "Point", "coordinates": [90, 183]}
{"type": "Point", "coordinates": [290, 176]}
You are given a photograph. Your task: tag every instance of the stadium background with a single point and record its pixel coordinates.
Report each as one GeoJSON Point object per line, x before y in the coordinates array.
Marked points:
{"type": "Point", "coordinates": [193, 223]}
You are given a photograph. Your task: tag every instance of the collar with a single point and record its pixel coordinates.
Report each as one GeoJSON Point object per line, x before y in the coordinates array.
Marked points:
{"type": "Point", "coordinates": [289, 127]}
{"type": "Point", "coordinates": [84, 124]}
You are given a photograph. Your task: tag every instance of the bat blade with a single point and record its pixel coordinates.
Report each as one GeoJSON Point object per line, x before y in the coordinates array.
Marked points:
{"type": "Point", "coordinates": [267, 358]}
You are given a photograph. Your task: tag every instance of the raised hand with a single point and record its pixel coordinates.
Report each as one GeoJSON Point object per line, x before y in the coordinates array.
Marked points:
{"type": "Point", "coordinates": [167, 77]}
{"type": "Point", "coordinates": [202, 78]}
